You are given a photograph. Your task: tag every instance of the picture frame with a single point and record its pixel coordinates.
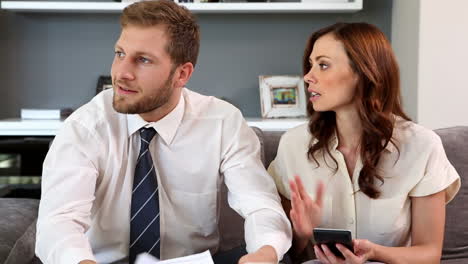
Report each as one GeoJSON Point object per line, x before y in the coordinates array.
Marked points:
{"type": "Point", "coordinates": [104, 82]}
{"type": "Point", "coordinates": [282, 96]}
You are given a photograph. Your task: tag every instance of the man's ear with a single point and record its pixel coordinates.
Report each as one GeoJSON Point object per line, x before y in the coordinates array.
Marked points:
{"type": "Point", "coordinates": [182, 74]}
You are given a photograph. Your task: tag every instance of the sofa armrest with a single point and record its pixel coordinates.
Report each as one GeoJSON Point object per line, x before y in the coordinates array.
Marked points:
{"type": "Point", "coordinates": [17, 230]}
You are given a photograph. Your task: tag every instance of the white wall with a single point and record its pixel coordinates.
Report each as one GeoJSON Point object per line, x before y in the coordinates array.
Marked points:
{"type": "Point", "coordinates": [430, 39]}
{"type": "Point", "coordinates": [405, 43]}
{"type": "Point", "coordinates": [443, 63]}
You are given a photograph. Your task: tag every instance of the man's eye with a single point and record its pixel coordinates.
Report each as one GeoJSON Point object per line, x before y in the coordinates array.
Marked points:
{"type": "Point", "coordinates": [119, 54]}
{"type": "Point", "coordinates": [144, 60]}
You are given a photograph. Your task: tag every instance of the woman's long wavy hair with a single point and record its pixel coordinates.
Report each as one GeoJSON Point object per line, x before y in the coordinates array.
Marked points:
{"type": "Point", "coordinates": [377, 98]}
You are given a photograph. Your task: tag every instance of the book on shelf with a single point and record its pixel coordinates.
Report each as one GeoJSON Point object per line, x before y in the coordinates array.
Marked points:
{"type": "Point", "coordinates": [32, 113]}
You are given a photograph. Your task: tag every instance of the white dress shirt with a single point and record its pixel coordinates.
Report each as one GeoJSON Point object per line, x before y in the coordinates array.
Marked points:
{"type": "Point", "coordinates": [88, 175]}
{"type": "Point", "coordinates": [419, 167]}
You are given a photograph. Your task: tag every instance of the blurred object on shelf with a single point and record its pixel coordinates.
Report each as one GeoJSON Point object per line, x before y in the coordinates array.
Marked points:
{"type": "Point", "coordinates": [104, 82]}
{"type": "Point", "coordinates": [40, 113]}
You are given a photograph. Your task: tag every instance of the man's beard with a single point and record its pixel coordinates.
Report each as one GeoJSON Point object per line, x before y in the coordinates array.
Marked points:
{"type": "Point", "coordinates": [147, 103]}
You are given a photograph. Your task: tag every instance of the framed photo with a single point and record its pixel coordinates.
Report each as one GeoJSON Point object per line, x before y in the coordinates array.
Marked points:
{"type": "Point", "coordinates": [282, 96]}
{"type": "Point", "coordinates": [104, 82]}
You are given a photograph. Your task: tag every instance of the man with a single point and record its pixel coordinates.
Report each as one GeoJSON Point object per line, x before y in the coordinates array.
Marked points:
{"type": "Point", "coordinates": [139, 168]}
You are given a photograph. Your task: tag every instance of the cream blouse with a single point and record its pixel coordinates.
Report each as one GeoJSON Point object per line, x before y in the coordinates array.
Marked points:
{"type": "Point", "coordinates": [420, 168]}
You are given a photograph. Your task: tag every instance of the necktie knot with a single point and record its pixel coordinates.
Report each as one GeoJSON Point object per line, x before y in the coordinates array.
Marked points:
{"type": "Point", "coordinates": [147, 134]}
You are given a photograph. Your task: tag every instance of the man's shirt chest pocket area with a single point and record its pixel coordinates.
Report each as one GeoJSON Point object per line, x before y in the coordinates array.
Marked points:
{"type": "Point", "coordinates": [194, 210]}
{"type": "Point", "coordinates": [189, 183]}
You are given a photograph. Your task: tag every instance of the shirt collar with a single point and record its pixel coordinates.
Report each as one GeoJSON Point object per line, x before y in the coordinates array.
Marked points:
{"type": "Point", "coordinates": [390, 147]}
{"type": "Point", "coordinates": [334, 142]}
{"type": "Point", "coordinates": [166, 127]}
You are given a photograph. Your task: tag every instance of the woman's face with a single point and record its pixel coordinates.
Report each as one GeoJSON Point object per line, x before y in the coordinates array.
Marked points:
{"type": "Point", "coordinates": [331, 80]}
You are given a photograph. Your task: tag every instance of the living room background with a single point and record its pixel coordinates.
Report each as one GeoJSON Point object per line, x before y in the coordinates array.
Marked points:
{"type": "Point", "coordinates": [53, 60]}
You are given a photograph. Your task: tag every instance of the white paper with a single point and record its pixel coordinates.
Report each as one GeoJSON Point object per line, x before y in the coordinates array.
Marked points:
{"type": "Point", "coordinates": [200, 258]}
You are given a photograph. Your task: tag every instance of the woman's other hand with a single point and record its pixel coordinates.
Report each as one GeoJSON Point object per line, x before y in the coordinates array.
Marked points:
{"type": "Point", "coordinates": [363, 251]}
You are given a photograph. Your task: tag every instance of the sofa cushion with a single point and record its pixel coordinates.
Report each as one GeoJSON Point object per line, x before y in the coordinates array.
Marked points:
{"type": "Point", "coordinates": [17, 226]}
{"type": "Point", "coordinates": [260, 136]}
{"type": "Point", "coordinates": [270, 145]}
{"type": "Point", "coordinates": [455, 141]}
{"type": "Point", "coordinates": [454, 261]}
{"type": "Point", "coordinates": [23, 250]}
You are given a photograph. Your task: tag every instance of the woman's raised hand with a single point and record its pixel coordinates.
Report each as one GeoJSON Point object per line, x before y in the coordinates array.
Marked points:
{"type": "Point", "coordinates": [305, 213]}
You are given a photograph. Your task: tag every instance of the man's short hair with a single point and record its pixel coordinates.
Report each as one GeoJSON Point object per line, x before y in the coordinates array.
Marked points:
{"type": "Point", "coordinates": [180, 24]}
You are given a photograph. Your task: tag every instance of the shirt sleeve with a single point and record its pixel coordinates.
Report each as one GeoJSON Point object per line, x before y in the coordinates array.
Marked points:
{"type": "Point", "coordinates": [439, 174]}
{"type": "Point", "coordinates": [252, 192]}
{"type": "Point", "coordinates": [68, 184]}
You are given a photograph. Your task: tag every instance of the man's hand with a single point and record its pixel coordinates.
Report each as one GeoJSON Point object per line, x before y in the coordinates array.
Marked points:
{"type": "Point", "coordinates": [265, 254]}
{"type": "Point", "coordinates": [87, 262]}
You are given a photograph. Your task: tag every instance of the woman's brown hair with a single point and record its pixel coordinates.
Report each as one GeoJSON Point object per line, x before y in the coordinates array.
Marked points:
{"type": "Point", "coordinates": [377, 97]}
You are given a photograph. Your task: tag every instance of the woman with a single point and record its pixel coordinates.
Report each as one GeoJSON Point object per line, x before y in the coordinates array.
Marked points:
{"type": "Point", "coordinates": [360, 163]}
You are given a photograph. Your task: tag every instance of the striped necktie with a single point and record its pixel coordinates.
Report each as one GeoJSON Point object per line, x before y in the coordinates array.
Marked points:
{"type": "Point", "coordinates": [144, 217]}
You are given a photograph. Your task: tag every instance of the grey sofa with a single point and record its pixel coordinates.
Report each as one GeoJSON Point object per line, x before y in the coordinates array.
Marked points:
{"type": "Point", "coordinates": [17, 216]}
